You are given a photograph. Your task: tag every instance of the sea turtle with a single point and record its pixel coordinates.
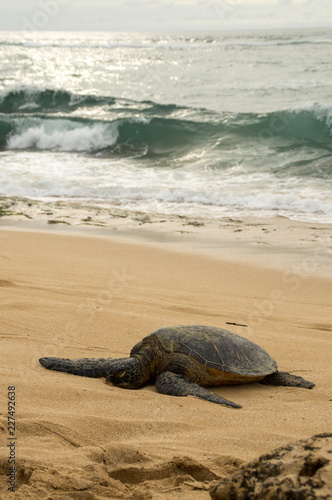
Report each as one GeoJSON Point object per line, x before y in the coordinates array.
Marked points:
{"type": "Point", "coordinates": [183, 360]}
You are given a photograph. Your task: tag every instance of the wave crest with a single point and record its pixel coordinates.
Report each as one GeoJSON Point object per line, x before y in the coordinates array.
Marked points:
{"type": "Point", "coordinates": [45, 119]}
{"type": "Point", "coordinates": [34, 100]}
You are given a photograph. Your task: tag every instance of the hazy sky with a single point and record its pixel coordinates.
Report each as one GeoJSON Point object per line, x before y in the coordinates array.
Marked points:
{"type": "Point", "coordinates": [162, 14]}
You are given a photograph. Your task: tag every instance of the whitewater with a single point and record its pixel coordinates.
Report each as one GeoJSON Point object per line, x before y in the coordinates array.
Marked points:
{"type": "Point", "coordinates": [232, 123]}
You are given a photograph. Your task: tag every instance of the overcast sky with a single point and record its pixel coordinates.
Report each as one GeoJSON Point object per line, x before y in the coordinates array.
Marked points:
{"type": "Point", "coordinates": [160, 15]}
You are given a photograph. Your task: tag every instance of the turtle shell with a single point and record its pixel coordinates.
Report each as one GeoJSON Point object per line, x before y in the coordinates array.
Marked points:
{"type": "Point", "coordinates": [217, 349]}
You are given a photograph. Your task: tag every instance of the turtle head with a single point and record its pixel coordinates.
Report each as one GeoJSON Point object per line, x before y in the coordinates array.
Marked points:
{"type": "Point", "coordinates": [126, 373]}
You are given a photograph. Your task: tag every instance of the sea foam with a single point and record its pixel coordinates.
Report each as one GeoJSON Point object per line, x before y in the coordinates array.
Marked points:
{"type": "Point", "coordinates": [65, 137]}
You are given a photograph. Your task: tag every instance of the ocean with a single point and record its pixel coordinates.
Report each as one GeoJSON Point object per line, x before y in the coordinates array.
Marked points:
{"type": "Point", "coordinates": [203, 124]}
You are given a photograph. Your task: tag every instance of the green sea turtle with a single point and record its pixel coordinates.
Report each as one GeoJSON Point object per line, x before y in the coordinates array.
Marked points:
{"type": "Point", "coordinates": [183, 360]}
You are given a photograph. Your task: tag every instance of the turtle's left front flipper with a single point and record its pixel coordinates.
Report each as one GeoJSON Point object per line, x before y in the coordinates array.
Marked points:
{"type": "Point", "coordinates": [287, 380]}
{"type": "Point", "coordinates": [173, 384]}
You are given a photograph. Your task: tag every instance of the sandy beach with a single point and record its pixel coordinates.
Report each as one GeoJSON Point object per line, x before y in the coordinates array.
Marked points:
{"type": "Point", "coordinates": [90, 291]}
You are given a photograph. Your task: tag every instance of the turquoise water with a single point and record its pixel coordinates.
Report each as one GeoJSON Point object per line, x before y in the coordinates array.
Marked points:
{"type": "Point", "coordinates": [206, 124]}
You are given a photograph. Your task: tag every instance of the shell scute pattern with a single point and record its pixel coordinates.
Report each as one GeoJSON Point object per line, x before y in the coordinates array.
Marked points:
{"type": "Point", "coordinates": [217, 349]}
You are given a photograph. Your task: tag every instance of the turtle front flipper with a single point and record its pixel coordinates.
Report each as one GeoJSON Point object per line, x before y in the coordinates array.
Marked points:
{"type": "Point", "coordinates": [173, 384]}
{"type": "Point", "coordinates": [287, 380]}
{"type": "Point", "coordinates": [85, 367]}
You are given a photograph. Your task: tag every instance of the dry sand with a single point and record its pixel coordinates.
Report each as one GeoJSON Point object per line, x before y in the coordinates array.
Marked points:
{"type": "Point", "coordinates": [93, 296]}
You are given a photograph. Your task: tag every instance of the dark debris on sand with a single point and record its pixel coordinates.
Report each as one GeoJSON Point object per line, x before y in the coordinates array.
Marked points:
{"type": "Point", "coordinates": [298, 471]}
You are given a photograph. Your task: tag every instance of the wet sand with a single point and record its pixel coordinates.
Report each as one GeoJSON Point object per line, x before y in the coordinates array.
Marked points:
{"type": "Point", "coordinates": [83, 294]}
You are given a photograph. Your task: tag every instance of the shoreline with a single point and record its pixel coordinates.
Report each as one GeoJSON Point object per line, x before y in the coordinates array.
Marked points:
{"type": "Point", "coordinates": [96, 292]}
{"type": "Point", "coordinates": [301, 247]}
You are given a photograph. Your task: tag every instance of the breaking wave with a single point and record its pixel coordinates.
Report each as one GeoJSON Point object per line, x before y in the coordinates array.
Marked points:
{"type": "Point", "coordinates": [53, 120]}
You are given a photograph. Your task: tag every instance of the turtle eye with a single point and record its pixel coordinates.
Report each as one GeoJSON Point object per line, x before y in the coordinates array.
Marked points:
{"type": "Point", "coordinates": [122, 374]}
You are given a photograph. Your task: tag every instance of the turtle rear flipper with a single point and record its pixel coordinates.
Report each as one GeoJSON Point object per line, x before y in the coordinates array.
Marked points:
{"type": "Point", "coordinates": [173, 384]}
{"type": "Point", "coordinates": [85, 367]}
{"type": "Point", "coordinates": [287, 380]}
